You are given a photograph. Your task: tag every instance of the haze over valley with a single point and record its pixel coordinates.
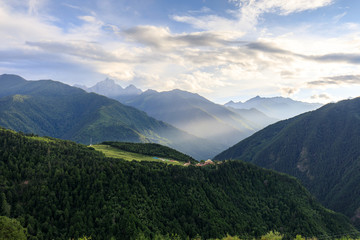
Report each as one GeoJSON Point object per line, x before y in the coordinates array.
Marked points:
{"type": "Point", "coordinates": [174, 120]}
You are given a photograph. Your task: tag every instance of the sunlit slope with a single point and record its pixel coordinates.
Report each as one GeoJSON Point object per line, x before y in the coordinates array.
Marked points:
{"type": "Point", "coordinates": [143, 152]}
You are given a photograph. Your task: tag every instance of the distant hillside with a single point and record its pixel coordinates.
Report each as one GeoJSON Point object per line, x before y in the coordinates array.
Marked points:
{"type": "Point", "coordinates": [55, 109]}
{"type": "Point", "coordinates": [276, 107]}
{"type": "Point", "coordinates": [321, 148]}
{"type": "Point", "coordinates": [199, 116]}
{"type": "Point", "coordinates": [61, 190]}
{"type": "Point", "coordinates": [110, 89]}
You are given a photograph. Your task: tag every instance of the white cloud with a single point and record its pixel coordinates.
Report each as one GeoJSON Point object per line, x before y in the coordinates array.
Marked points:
{"type": "Point", "coordinates": [283, 7]}
{"type": "Point", "coordinates": [161, 38]}
{"type": "Point", "coordinates": [90, 19]}
{"type": "Point", "coordinates": [212, 23]}
{"type": "Point", "coordinates": [17, 27]}
{"type": "Point", "coordinates": [337, 18]}
{"type": "Point", "coordinates": [35, 5]}
{"type": "Point", "coordinates": [321, 97]}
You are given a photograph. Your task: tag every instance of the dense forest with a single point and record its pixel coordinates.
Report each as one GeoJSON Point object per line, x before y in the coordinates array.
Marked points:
{"type": "Point", "coordinates": [59, 189]}
{"type": "Point", "coordinates": [320, 148]}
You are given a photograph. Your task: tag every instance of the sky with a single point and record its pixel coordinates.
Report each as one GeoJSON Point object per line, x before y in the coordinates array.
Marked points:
{"type": "Point", "coordinates": [308, 50]}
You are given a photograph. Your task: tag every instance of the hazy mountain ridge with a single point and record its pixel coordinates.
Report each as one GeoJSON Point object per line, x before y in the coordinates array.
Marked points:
{"type": "Point", "coordinates": [321, 148]}
{"type": "Point", "coordinates": [199, 116]}
{"type": "Point", "coordinates": [276, 107]}
{"type": "Point", "coordinates": [63, 190]}
{"type": "Point", "coordinates": [257, 119]}
{"type": "Point", "coordinates": [55, 109]}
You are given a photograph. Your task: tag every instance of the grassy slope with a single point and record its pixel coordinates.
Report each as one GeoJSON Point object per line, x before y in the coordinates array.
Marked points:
{"type": "Point", "coordinates": [113, 152]}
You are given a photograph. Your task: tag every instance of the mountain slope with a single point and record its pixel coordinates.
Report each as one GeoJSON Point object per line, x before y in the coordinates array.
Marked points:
{"type": "Point", "coordinates": [276, 107]}
{"type": "Point", "coordinates": [196, 115]}
{"type": "Point", "coordinates": [62, 190]}
{"type": "Point", "coordinates": [321, 148]}
{"type": "Point", "coordinates": [54, 109]}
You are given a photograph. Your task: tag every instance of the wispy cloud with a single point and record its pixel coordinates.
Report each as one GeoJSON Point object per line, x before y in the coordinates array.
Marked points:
{"type": "Point", "coordinates": [337, 18]}
{"type": "Point", "coordinates": [353, 58]}
{"type": "Point", "coordinates": [162, 38]}
{"type": "Point", "coordinates": [80, 49]}
{"type": "Point", "coordinates": [34, 6]}
{"type": "Point", "coordinates": [321, 96]}
{"type": "Point", "coordinates": [280, 6]}
{"type": "Point", "coordinates": [246, 17]}
{"type": "Point", "coordinates": [336, 80]}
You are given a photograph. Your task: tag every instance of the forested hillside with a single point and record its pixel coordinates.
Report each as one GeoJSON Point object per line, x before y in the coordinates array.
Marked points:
{"type": "Point", "coordinates": [321, 148]}
{"type": "Point", "coordinates": [51, 108]}
{"type": "Point", "coordinates": [59, 190]}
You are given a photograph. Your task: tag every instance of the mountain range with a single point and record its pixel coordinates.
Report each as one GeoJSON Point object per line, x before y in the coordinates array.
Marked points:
{"type": "Point", "coordinates": [321, 148]}
{"type": "Point", "coordinates": [197, 115]}
{"type": "Point", "coordinates": [276, 107]}
{"type": "Point", "coordinates": [61, 190]}
{"type": "Point", "coordinates": [55, 109]}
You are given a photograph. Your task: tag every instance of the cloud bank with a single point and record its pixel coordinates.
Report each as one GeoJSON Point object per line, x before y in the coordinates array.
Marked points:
{"type": "Point", "coordinates": [216, 54]}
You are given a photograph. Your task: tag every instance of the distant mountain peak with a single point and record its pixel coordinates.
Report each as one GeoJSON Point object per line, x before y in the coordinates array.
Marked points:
{"type": "Point", "coordinates": [11, 78]}
{"type": "Point", "coordinates": [132, 90]}
{"type": "Point", "coordinates": [230, 102]}
{"type": "Point", "coordinates": [110, 88]}
{"type": "Point", "coordinates": [108, 82]}
{"type": "Point", "coordinates": [131, 86]}
{"type": "Point", "coordinates": [150, 91]}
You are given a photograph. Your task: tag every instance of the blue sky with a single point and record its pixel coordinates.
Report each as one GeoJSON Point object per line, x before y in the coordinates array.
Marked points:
{"type": "Point", "coordinates": [224, 50]}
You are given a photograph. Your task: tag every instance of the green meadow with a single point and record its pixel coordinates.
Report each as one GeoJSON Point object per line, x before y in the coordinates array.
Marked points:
{"type": "Point", "coordinates": [112, 152]}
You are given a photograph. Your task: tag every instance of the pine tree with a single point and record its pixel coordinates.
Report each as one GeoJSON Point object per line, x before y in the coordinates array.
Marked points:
{"type": "Point", "coordinates": [4, 207]}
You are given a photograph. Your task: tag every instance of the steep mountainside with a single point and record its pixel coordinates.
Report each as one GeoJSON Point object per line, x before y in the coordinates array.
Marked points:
{"type": "Point", "coordinates": [276, 107]}
{"type": "Point", "coordinates": [110, 89]}
{"type": "Point", "coordinates": [54, 109]}
{"type": "Point", "coordinates": [321, 148]}
{"type": "Point", "coordinates": [60, 190]}
{"type": "Point", "coordinates": [196, 115]}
